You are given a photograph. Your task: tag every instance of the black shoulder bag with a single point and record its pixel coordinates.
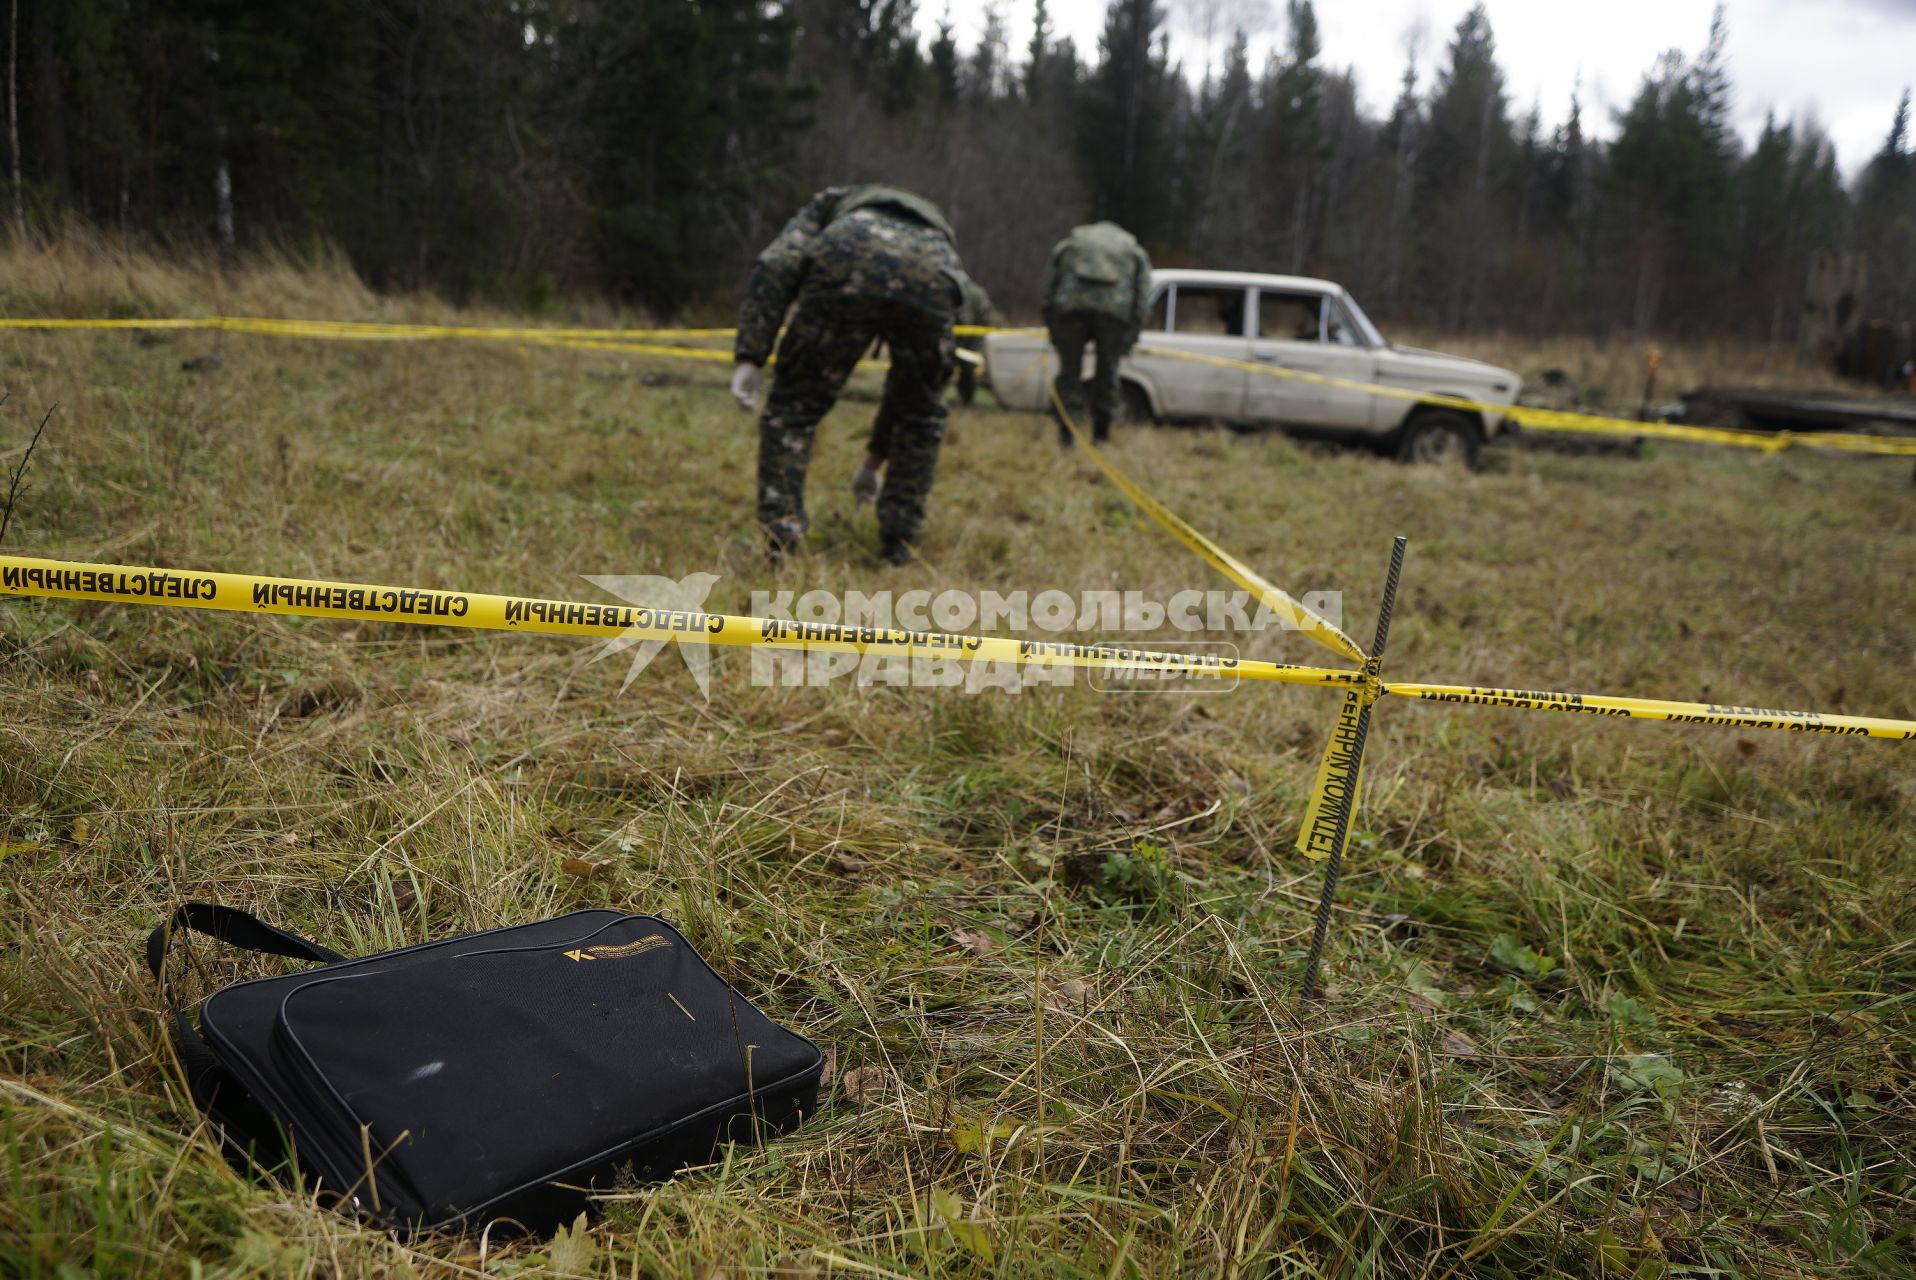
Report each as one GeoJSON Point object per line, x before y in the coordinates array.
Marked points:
{"type": "Point", "coordinates": [498, 1075]}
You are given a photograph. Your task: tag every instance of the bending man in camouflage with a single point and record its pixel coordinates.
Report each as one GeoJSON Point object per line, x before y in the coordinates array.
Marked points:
{"type": "Point", "coordinates": [862, 262]}
{"type": "Point", "coordinates": [1097, 292]}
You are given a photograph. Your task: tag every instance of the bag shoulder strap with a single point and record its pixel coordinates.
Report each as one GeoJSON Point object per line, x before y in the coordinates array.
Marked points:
{"type": "Point", "coordinates": [236, 928]}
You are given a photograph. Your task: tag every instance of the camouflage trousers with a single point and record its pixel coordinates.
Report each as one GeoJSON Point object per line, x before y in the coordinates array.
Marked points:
{"type": "Point", "coordinates": [965, 379]}
{"type": "Point", "coordinates": [1071, 333]}
{"type": "Point", "coordinates": [822, 345]}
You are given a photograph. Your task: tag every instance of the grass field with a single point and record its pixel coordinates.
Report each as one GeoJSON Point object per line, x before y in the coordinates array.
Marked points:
{"type": "Point", "coordinates": [1606, 998]}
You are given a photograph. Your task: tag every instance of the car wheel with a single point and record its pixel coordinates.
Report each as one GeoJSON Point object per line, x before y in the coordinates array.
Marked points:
{"type": "Point", "coordinates": [1441, 437]}
{"type": "Point", "coordinates": [1137, 405]}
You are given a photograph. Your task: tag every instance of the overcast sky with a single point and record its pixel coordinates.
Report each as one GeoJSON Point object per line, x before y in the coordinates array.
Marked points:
{"type": "Point", "coordinates": [1843, 62]}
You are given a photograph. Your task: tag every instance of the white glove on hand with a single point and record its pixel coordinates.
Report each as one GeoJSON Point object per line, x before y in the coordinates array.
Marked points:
{"type": "Point", "coordinates": [745, 383]}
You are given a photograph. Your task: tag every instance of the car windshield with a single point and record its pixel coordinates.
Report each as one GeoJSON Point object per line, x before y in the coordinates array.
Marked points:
{"type": "Point", "coordinates": [1362, 321]}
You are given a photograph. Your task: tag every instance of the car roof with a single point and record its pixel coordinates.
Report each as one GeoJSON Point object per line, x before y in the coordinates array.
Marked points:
{"type": "Point", "coordinates": [1242, 279]}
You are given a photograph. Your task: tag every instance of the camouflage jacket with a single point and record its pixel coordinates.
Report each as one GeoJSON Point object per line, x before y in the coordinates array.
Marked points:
{"type": "Point", "coordinates": [867, 241]}
{"type": "Point", "coordinates": [1100, 267]}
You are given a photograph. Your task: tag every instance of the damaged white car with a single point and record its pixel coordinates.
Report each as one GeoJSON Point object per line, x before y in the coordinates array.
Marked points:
{"type": "Point", "coordinates": [1288, 324]}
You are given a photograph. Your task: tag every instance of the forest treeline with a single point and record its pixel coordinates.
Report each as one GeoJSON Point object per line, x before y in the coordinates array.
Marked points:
{"type": "Point", "coordinates": [516, 150]}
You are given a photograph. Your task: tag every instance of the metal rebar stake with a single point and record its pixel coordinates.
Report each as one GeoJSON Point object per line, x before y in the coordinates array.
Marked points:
{"type": "Point", "coordinates": [1320, 931]}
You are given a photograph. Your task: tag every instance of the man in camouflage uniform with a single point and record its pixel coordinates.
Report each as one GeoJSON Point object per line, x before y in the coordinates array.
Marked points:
{"type": "Point", "coordinates": [976, 310]}
{"type": "Point", "coordinates": [1097, 292]}
{"type": "Point", "coordinates": [863, 263]}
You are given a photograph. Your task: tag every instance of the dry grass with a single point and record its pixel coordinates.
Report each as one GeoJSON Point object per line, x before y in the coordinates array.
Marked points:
{"type": "Point", "coordinates": [1608, 998]}
{"type": "Point", "coordinates": [1610, 374]}
{"type": "Point", "coordinates": [87, 272]}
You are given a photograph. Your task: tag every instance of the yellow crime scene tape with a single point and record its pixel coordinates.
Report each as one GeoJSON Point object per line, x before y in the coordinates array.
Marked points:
{"type": "Point", "coordinates": [427, 606]}
{"type": "Point", "coordinates": [358, 330]}
{"type": "Point", "coordinates": [712, 354]}
{"type": "Point", "coordinates": [1588, 424]}
{"type": "Point", "coordinates": [395, 331]}
{"type": "Point", "coordinates": [653, 342]}
{"type": "Point", "coordinates": [1335, 791]}
{"type": "Point", "coordinates": [1601, 704]}
{"type": "Point", "coordinates": [627, 340]}
{"type": "Point", "coordinates": [1295, 615]}
{"type": "Point", "coordinates": [1339, 773]}
{"type": "Point", "coordinates": [420, 606]}
{"type": "Point", "coordinates": [1339, 776]}
{"type": "Point", "coordinates": [644, 342]}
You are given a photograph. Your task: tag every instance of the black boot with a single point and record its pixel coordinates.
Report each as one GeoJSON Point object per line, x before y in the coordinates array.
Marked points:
{"type": "Point", "coordinates": [895, 552]}
{"type": "Point", "coordinates": [1100, 426]}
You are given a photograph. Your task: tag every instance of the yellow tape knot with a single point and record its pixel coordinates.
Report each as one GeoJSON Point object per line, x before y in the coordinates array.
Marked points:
{"type": "Point", "coordinates": [1373, 687]}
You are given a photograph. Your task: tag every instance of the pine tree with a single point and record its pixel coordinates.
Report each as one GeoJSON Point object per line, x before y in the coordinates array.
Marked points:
{"type": "Point", "coordinates": [1530, 178]}
{"type": "Point", "coordinates": [1886, 219]}
{"type": "Point", "coordinates": [944, 61]}
{"type": "Point", "coordinates": [1570, 204]}
{"type": "Point", "coordinates": [1227, 211]}
{"type": "Point", "coordinates": [1766, 218]}
{"type": "Point", "coordinates": [689, 105]}
{"type": "Point", "coordinates": [1464, 163]}
{"type": "Point", "coordinates": [1469, 128]}
{"type": "Point", "coordinates": [986, 76]}
{"type": "Point", "coordinates": [1401, 137]}
{"type": "Point", "coordinates": [1672, 190]}
{"type": "Point", "coordinates": [1297, 141]}
{"type": "Point", "coordinates": [1038, 53]}
{"type": "Point", "coordinates": [1710, 88]}
{"type": "Point", "coordinates": [873, 40]}
{"type": "Point", "coordinates": [1125, 114]}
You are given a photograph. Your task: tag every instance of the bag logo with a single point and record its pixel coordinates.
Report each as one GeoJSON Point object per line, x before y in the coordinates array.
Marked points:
{"type": "Point", "coordinates": [650, 942]}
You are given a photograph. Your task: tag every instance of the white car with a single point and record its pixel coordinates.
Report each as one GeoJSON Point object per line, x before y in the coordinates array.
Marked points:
{"type": "Point", "coordinates": [1286, 322]}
